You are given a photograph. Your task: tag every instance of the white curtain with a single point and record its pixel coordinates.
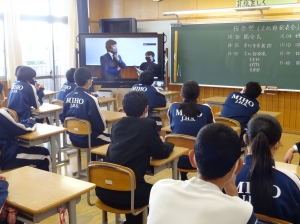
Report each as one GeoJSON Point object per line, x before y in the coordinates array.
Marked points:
{"type": "Point", "coordinates": [73, 31]}
{"type": "Point", "coordinates": [12, 41]}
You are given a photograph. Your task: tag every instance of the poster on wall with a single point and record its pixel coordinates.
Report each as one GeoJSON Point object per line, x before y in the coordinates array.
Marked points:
{"type": "Point", "coordinates": [243, 3]}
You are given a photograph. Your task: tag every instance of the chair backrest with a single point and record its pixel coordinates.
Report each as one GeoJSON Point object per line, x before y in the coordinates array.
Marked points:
{"type": "Point", "coordinates": [78, 127]}
{"type": "Point", "coordinates": [180, 140]}
{"type": "Point", "coordinates": [228, 121]}
{"type": "Point", "coordinates": [58, 102]}
{"type": "Point", "coordinates": [111, 176]}
{"type": "Point", "coordinates": [270, 220]}
{"type": "Point", "coordinates": [13, 114]}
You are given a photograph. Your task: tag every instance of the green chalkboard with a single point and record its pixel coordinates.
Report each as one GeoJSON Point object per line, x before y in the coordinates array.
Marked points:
{"type": "Point", "coordinates": [232, 54]}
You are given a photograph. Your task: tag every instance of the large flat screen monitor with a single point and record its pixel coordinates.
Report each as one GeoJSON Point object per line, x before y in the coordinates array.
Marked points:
{"type": "Point", "coordinates": [131, 47]}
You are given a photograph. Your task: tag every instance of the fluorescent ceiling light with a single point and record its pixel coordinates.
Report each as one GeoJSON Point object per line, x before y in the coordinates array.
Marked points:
{"type": "Point", "coordinates": [250, 8]}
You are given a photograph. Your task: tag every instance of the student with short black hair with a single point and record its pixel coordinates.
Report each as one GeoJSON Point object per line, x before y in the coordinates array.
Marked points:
{"type": "Point", "coordinates": [134, 140]}
{"type": "Point", "coordinates": [23, 95]}
{"type": "Point", "coordinates": [241, 106]}
{"type": "Point", "coordinates": [12, 154]}
{"type": "Point", "coordinates": [68, 86]}
{"type": "Point", "coordinates": [155, 98]}
{"type": "Point", "coordinates": [271, 191]}
{"type": "Point", "coordinates": [82, 105]}
{"type": "Point", "coordinates": [188, 118]}
{"type": "Point", "coordinates": [217, 156]}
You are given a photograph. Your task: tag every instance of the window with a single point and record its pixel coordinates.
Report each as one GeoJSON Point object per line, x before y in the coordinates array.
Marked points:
{"type": "Point", "coordinates": [44, 32]}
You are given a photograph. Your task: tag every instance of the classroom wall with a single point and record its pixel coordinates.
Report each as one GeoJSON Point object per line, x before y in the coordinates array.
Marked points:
{"type": "Point", "coordinates": [288, 103]}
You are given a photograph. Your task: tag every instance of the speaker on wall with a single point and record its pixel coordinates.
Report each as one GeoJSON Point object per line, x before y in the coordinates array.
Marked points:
{"type": "Point", "coordinates": [121, 25]}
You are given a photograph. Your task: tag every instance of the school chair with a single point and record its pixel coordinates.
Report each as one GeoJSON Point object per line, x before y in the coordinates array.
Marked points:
{"type": "Point", "coordinates": [80, 127]}
{"type": "Point", "coordinates": [230, 122]}
{"type": "Point", "coordinates": [267, 219]}
{"type": "Point", "coordinates": [117, 178]}
{"type": "Point", "coordinates": [58, 102]}
{"type": "Point", "coordinates": [185, 141]}
{"type": "Point", "coordinates": [13, 114]}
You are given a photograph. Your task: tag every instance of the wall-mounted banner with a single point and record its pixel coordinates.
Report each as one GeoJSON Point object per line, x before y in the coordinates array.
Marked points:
{"type": "Point", "coordinates": [244, 3]}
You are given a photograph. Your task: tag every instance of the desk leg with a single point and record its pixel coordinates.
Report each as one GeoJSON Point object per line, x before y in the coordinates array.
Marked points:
{"type": "Point", "coordinates": [109, 125]}
{"type": "Point", "coordinates": [53, 152]}
{"type": "Point", "coordinates": [72, 211]}
{"type": "Point", "coordinates": [108, 106]}
{"type": "Point", "coordinates": [174, 169]}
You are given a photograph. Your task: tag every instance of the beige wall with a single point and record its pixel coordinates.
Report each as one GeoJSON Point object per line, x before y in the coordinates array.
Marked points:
{"type": "Point", "coordinates": [288, 103]}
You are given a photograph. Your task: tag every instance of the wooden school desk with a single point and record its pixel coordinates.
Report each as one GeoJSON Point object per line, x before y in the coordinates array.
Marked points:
{"type": "Point", "coordinates": [48, 110]}
{"type": "Point", "coordinates": [39, 194]}
{"type": "Point", "coordinates": [218, 101]}
{"type": "Point", "coordinates": [291, 167]}
{"type": "Point", "coordinates": [158, 164]}
{"type": "Point", "coordinates": [43, 133]}
{"type": "Point", "coordinates": [48, 94]}
{"type": "Point", "coordinates": [111, 117]}
{"type": "Point", "coordinates": [106, 102]}
{"type": "Point", "coordinates": [161, 110]}
{"type": "Point", "coordinates": [168, 129]}
{"type": "Point", "coordinates": [170, 94]}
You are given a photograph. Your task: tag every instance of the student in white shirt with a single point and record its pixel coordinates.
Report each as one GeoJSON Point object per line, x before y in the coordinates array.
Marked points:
{"type": "Point", "coordinates": [201, 200]}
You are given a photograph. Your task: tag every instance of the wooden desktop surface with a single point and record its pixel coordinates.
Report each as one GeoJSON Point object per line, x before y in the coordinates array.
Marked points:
{"type": "Point", "coordinates": [169, 93]}
{"type": "Point", "coordinates": [162, 108]}
{"type": "Point", "coordinates": [112, 116]}
{"type": "Point", "coordinates": [46, 107]}
{"type": "Point", "coordinates": [49, 92]}
{"type": "Point", "coordinates": [106, 99]}
{"type": "Point", "coordinates": [291, 167]}
{"type": "Point", "coordinates": [215, 99]}
{"type": "Point", "coordinates": [36, 191]}
{"type": "Point", "coordinates": [41, 131]}
{"type": "Point", "coordinates": [271, 113]}
{"type": "Point", "coordinates": [177, 152]}
{"type": "Point", "coordinates": [168, 129]}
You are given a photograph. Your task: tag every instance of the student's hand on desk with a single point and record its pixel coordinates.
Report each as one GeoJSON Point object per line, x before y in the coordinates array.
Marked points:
{"type": "Point", "coordinates": [289, 155]}
{"type": "Point", "coordinates": [42, 86]}
{"type": "Point", "coordinates": [2, 178]}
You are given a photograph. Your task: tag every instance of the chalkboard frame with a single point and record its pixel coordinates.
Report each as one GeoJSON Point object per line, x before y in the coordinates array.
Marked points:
{"type": "Point", "coordinates": [176, 25]}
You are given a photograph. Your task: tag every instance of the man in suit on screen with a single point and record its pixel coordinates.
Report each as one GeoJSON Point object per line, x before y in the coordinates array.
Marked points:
{"type": "Point", "coordinates": [111, 62]}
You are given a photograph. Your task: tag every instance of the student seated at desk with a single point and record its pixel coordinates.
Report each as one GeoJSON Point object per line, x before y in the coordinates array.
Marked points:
{"type": "Point", "coordinates": [200, 200]}
{"type": "Point", "coordinates": [134, 140]}
{"type": "Point", "coordinates": [11, 154]}
{"type": "Point", "coordinates": [3, 191]}
{"type": "Point", "coordinates": [188, 118]}
{"type": "Point", "coordinates": [272, 192]}
{"type": "Point", "coordinates": [82, 105]}
{"type": "Point", "coordinates": [241, 106]}
{"type": "Point", "coordinates": [68, 86]}
{"type": "Point", "coordinates": [23, 95]}
{"type": "Point", "coordinates": [155, 98]}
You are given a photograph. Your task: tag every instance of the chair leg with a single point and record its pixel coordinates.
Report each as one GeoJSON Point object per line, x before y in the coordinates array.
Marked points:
{"type": "Point", "coordinates": [78, 163]}
{"type": "Point", "coordinates": [117, 219]}
{"type": "Point", "coordinates": [145, 214]}
{"type": "Point", "coordinates": [104, 217]}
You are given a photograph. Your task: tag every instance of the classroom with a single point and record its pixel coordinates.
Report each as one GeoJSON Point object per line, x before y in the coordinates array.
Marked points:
{"type": "Point", "coordinates": [53, 36]}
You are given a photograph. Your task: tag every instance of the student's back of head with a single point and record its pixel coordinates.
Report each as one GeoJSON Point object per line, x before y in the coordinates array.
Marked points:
{"type": "Point", "coordinates": [25, 74]}
{"type": "Point", "coordinates": [263, 133]}
{"type": "Point", "coordinates": [253, 89]}
{"type": "Point", "coordinates": [134, 103]}
{"type": "Point", "coordinates": [190, 92]}
{"type": "Point", "coordinates": [217, 149]}
{"type": "Point", "coordinates": [70, 75]}
{"type": "Point", "coordinates": [17, 68]}
{"type": "Point", "coordinates": [82, 75]}
{"type": "Point", "coordinates": [146, 78]}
